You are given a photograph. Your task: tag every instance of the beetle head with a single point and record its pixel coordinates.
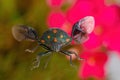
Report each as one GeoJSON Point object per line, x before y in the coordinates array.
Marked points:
{"type": "Point", "coordinates": [56, 47]}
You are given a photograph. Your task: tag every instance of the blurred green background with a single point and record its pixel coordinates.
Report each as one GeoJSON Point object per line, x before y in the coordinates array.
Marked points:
{"type": "Point", "coordinates": [15, 63]}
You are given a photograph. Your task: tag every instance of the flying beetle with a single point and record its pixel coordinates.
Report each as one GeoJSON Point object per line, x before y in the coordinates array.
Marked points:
{"type": "Point", "coordinates": [54, 39]}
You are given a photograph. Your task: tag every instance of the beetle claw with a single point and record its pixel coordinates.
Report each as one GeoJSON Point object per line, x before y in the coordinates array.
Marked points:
{"type": "Point", "coordinates": [28, 50]}
{"type": "Point", "coordinates": [81, 59]}
{"type": "Point", "coordinates": [36, 63]}
{"type": "Point", "coordinates": [73, 66]}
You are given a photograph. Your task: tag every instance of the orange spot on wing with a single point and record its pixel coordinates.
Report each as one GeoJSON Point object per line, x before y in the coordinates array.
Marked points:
{"type": "Point", "coordinates": [42, 41]}
{"type": "Point", "coordinates": [55, 40]}
{"type": "Point", "coordinates": [61, 36]}
{"type": "Point", "coordinates": [54, 31]}
{"type": "Point", "coordinates": [67, 40]}
{"type": "Point", "coordinates": [48, 37]}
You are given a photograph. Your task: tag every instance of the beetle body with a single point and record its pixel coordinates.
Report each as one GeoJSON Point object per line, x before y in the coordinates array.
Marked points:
{"type": "Point", "coordinates": [55, 39]}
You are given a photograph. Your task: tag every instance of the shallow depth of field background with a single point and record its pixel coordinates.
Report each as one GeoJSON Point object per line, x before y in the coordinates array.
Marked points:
{"type": "Point", "coordinates": [101, 51]}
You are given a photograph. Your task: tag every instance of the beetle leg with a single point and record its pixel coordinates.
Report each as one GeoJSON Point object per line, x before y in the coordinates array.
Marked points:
{"type": "Point", "coordinates": [36, 63]}
{"type": "Point", "coordinates": [71, 52]}
{"type": "Point", "coordinates": [45, 47]}
{"type": "Point", "coordinates": [32, 50]}
{"type": "Point", "coordinates": [67, 53]}
{"type": "Point", "coordinates": [47, 62]}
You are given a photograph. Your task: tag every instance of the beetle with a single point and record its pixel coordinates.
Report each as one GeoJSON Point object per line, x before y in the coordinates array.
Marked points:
{"type": "Point", "coordinates": [54, 39]}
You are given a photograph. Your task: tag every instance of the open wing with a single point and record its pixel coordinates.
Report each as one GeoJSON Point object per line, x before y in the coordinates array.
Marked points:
{"type": "Point", "coordinates": [82, 28]}
{"type": "Point", "coordinates": [23, 32]}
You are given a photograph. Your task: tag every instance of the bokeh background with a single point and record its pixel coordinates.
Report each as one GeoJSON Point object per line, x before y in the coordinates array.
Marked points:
{"type": "Point", "coordinates": [101, 52]}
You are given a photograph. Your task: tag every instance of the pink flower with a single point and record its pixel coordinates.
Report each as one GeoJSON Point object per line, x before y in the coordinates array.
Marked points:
{"type": "Point", "coordinates": [93, 42]}
{"type": "Point", "coordinates": [79, 10]}
{"type": "Point", "coordinates": [93, 66]}
{"type": "Point", "coordinates": [66, 27]}
{"type": "Point", "coordinates": [112, 39]}
{"type": "Point", "coordinates": [56, 19]}
{"type": "Point", "coordinates": [96, 38]}
{"type": "Point", "coordinates": [55, 3]}
{"type": "Point", "coordinates": [108, 16]}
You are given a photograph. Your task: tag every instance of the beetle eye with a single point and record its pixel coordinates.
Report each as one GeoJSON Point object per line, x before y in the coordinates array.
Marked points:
{"type": "Point", "coordinates": [82, 28]}
{"type": "Point", "coordinates": [22, 32]}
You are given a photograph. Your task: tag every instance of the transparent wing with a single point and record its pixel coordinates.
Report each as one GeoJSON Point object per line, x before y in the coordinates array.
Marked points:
{"type": "Point", "coordinates": [23, 32]}
{"type": "Point", "coordinates": [82, 28]}
{"type": "Point", "coordinates": [87, 23]}
{"type": "Point", "coordinates": [81, 38]}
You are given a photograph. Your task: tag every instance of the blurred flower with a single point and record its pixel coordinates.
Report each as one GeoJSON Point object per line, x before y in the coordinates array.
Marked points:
{"type": "Point", "coordinates": [79, 10]}
{"type": "Point", "coordinates": [56, 19]}
{"type": "Point", "coordinates": [66, 27]}
{"type": "Point", "coordinates": [108, 16]}
{"type": "Point", "coordinates": [95, 38]}
{"type": "Point", "coordinates": [111, 39]}
{"type": "Point", "coordinates": [55, 3]}
{"type": "Point", "coordinates": [93, 66]}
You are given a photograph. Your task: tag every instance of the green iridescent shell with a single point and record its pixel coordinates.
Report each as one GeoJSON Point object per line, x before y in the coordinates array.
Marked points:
{"type": "Point", "coordinates": [55, 36]}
